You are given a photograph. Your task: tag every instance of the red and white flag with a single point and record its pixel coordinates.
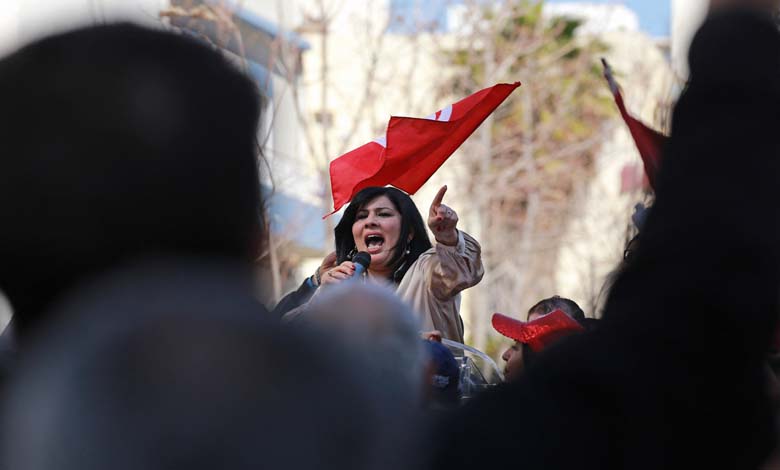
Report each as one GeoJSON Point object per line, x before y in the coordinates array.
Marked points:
{"type": "Point", "coordinates": [413, 148]}
{"type": "Point", "coordinates": [649, 142]}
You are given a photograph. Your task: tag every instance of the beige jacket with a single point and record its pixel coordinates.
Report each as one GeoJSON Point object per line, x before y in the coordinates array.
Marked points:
{"type": "Point", "coordinates": [432, 286]}
{"type": "Point", "coordinates": [433, 283]}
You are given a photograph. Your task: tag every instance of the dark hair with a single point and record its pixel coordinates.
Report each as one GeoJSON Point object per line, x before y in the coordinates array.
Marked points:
{"type": "Point", "coordinates": [411, 223]}
{"type": "Point", "coordinates": [630, 249]}
{"type": "Point", "coordinates": [629, 255]}
{"type": "Point", "coordinates": [555, 302]}
{"type": "Point", "coordinates": [121, 142]}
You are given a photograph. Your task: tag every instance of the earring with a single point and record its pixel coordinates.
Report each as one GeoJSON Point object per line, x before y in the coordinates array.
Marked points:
{"type": "Point", "coordinates": [352, 253]}
{"type": "Point", "coordinates": [407, 250]}
{"type": "Point", "coordinates": [398, 273]}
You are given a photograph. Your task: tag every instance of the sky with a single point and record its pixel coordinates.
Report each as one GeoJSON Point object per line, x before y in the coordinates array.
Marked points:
{"type": "Point", "coordinates": [654, 15]}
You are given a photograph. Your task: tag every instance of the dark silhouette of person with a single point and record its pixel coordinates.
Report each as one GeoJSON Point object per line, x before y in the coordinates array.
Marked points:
{"type": "Point", "coordinates": [121, 143]}
{"type": "Point", "coordinates": [171, 365]}
{"type": "Point", "coordinates": [130, 195]}
{"type": "Point", "coordinates": [674, 375]}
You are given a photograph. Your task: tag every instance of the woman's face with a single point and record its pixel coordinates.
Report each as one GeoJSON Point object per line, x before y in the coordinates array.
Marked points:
{"type": "Point", "coordinates": [376, 230]}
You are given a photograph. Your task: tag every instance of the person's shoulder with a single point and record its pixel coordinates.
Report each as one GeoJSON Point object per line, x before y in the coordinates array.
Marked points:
{"type": "Point", "coordinates": [418, 269]}
{"type": "Point", "coordinates": [294, 299]}
{"type": "Point", "coordinates": [425, 257]}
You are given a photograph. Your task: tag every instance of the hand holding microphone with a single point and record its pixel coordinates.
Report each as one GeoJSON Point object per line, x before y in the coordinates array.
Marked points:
{"type": "Point", "coordinates": [348, 270]}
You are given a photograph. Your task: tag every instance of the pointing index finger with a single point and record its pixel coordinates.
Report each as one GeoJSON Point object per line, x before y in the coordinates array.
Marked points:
{"type": "Point", "coordinates": [437, 200]}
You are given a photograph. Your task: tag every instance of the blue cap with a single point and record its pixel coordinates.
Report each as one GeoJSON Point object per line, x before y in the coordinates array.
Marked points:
{"type": "Point", "coordinates": [446, 371]}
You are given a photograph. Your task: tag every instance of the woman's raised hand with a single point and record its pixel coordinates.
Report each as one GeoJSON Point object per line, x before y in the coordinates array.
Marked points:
{"type": "Point", "coordinates": [442, 220]}
{"type": "Point", "coordinates": [338, 274]}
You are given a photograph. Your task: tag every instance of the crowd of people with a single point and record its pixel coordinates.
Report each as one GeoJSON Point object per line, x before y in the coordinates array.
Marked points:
{"type": "Point", "coordinates": [131, 218]}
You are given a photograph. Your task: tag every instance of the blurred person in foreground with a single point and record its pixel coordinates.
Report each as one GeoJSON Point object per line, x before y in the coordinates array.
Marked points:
{"type": "Point", "coordinates": [172, 366]}
{"type": "Point", "coordinates": [121, 143]}
{"type": "Point", "coordinates": [650, 388]}
{"type": "Point", "coordinates": [384, 222]}
{"type": "Point", "coordinates": [383, 330]}
{"type": "Point", "coordinates": [376, 322]}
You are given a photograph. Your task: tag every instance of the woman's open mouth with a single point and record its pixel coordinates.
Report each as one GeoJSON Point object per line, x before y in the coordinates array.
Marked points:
{"type": "Point", "coordinates": [374, 243]}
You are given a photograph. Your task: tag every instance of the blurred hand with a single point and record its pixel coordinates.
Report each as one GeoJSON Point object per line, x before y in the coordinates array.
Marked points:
{"type": "Point", "coordinates": [442, 220]}
{"type": "Point", "coordinates": [328, 263]}
{"type": "Point", "coordinates": [434, 335]}
{"type": "Point", "coordinates": [338, 273]}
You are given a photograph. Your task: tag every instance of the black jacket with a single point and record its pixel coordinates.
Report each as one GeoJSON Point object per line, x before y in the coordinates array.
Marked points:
{"type": "Point", "coordinates": [294, 299]}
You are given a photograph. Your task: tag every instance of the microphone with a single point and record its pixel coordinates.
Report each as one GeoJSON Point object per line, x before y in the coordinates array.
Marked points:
{"type": "Point", "coordinates": [361, 260]}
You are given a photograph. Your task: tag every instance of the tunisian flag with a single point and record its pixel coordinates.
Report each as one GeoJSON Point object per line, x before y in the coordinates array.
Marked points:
{"type": "Point", "coordinates": [412, 148]}
{"type": "Point", "coordinates": [649, 142]}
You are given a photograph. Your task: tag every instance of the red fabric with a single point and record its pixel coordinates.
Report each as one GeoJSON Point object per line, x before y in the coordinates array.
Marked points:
{"type": "Point", "coordinates": [415, 147]}
{"type": "Point", "coordinates": [538, 333]}
{"type": "Point", "coordinates": [354, 166]}
{"type": "Point", "coordinates": [649, 142]}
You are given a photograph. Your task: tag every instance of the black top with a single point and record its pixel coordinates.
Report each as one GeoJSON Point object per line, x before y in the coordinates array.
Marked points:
{"type": "Point", "coordinates": [294, 299]}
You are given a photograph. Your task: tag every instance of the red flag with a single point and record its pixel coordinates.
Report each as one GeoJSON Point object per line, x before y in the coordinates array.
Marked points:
{"type": "Point", "coordinates": [413, 148]}
{"type": "Point", "coordinates": [649, 142]}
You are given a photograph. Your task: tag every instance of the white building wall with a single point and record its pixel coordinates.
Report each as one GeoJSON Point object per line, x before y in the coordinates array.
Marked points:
{"type": "Point", "coordinates": [9, 25]}
{"type": "Point", "coordinates": [687, 16]}
{"type": "Point", "coordinates": [285, 150]}
{"type": "Point", "coordinates": [42, 17]}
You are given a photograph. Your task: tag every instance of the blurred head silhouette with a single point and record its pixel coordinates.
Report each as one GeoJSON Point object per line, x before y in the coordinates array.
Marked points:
{"type": "Point", "coordinates": [120, 142]}
{"type": "Point", "coordinates": [383, 332]}
{"type": "Point", "coordinates": [380, 326]}
{"type": "Point", "coordinates": [556, 302]}
{"type": "Point", "coordinates": [174, 367]}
